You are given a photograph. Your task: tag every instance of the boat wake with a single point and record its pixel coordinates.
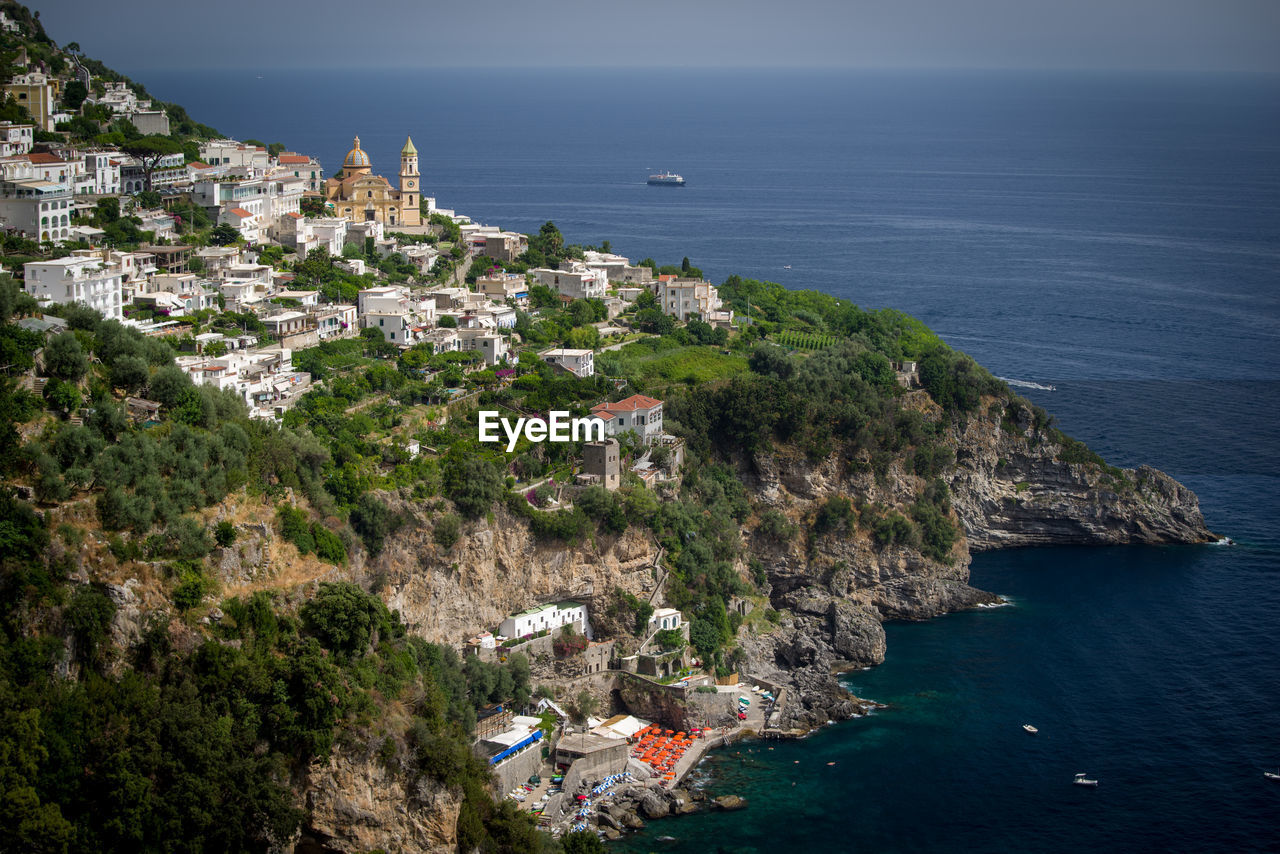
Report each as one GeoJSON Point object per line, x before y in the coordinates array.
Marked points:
{"type": "Point", "coordinates": [1026, 384]}
{"type": "Point", "coordinates": [1225, 541]}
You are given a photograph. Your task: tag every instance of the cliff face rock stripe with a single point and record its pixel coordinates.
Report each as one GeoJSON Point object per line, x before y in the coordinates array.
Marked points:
{"type": "Point", "coordinates": [499, 568]}
{"type": "Point", "coordinates": [354, 804]}
{"type": "Point", "coordinates": [1010, 490]}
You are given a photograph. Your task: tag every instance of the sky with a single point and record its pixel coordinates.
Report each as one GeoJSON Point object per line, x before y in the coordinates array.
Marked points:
{"type": "Point", "coordinates": [1177, 35]}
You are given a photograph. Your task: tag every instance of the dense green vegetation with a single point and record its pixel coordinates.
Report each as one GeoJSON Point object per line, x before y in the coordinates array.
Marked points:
{"type": "Point", "coordinates": [193, 747]}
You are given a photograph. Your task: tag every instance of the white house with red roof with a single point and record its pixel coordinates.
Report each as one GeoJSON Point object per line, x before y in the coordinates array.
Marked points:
{"type": "Point", "coordinates": [247, 222]}
{"type": "Point", "coordinates": [302, 166]}
{"type": "Point", "coordinates": [640, 414]}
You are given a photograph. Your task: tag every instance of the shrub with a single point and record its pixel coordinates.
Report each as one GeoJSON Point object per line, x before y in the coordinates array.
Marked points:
{"type": "Point", "coordinates": [89, 615]}
{"type": "Point", "coordinates": [836, 514]}
{"type": "Point", "coordinates": [343, 617]}
{"type": "Point", "coordinates": [374, 522]}
{"type": "Point", "coordinates": [294, 528]}
{"type": "Point", "coordinates": [191, 589]}
{"type": "Point", "coordinates": [669, 638]}
{"type": "Point", "coordinates": [895, 529]}
{"type": "Point", "coordinates": [327, 544]}
{"type": "Point", "coordinates": [937, 533]}
{"type": "Point", "coordinates": [472, 483]}
{"type": "Point", "coordinates": [64, 358]}
{"type": "Point", "coordinates": [447, 530]}
{"type": "Point", "coordinates": [224, 533]}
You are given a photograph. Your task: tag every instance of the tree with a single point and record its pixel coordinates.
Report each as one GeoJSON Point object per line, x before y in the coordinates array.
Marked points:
{"type": "Point", "coordinates": [63, 397]}
{"type": "Point", "coordinates": [74, 94]}
{"type": "Point", "coordinates": [311, 206]}
{"type": "Point", "coordinates": [130, 372]}
{"type": "Point", "coordinates": [582, 842]}
{"type": "Point", "coordinates": [148, 199]}
{"type": "Point", "coordinates": [148, 151]}
{"type": "Point", "coordinates": [373, 521]}
{"type": "Point", "coordinates": [224, 534]}
{"type": "Point", "coordinates": [64, 358]}
{"type": "Point", "coordinates": [344, 617]}
{"type": "Point", "coordinates": [107, 210]}
{"type": "Point", "coordinates": [472, 483]}
{"type": "Point", "coordinates": [224, 234]}
{"type": "Point", "coordinates": [447, 530]}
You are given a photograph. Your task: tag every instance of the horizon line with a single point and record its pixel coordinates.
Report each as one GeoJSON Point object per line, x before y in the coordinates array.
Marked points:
{"type": "Point", "coordinates": [952, 69]}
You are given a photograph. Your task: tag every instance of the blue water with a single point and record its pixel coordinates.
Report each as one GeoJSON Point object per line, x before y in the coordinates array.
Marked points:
{"type": "Point", "coordinates": [1118, 238]}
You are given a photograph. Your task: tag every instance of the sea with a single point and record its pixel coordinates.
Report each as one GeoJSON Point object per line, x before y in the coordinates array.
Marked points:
{"type": "Point", "coordinates": [1110, 244]}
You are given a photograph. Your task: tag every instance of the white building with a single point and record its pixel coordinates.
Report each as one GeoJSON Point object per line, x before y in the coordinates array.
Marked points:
{"type": "Point", "coordinates": [639, 414]}
{"type": "Point", "coordinates": [39, 210]}
{"type": "Point", "coordinates": [264, 379]}
{"type": "Point", "coordinates": [50, 167]}
{"type": "Point", "coordinates": [577, 362]}
{"type": "Point", "coordinates": [271, 198]}
{"type": "Point", "coordinates": [336, 321]}
{"type": "Point", "coordinates": [305, 167]}
{"type": "Point", "coordinates": [15, 138]}
{"type": "Point", "coordinates": [160, 222]}
{"type": "Point", "coordinates": [217, 259]}
{"type": "Point", "coordinates": [119, 98]}
{"type": "Point", "coordinates": [228, 152]}
{"type": "Point", "coordinates": [169, 170]}
{"type": "Point", "coordinates": [665, 618]}
{"type": "Point", "coordinates": [683, 298]}
{"type": "Point", "coordinates": [83, 280]}
{"type": "Point", "coordinates": [489, 344]}
{"type": "Point", "coordinates": [306, 233]}
{"type": "Point", "coordinates": [103, 167]}
{"type": "Point", "coordinates": [241, 294]}
{"type": "Point", "coordinates": [504, 286]}
{"type": "Point", "coordinates": [441, 340]}
{"type": "Point", "coordinates": [617, 268]}
{"type": "Point", "coordinates": [547, 617]}
{"type": "Point", "coordinates": [574, 280]}
{"type": "Point", "coordinates": [247, 222]}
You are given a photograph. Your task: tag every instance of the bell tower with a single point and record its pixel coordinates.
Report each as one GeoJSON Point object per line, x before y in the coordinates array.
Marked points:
{"type": "Point", "coordinates": [410, 184]}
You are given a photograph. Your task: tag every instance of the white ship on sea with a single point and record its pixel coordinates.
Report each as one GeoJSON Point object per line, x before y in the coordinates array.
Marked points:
{"type": "Point", "coordinates": [666, 179]}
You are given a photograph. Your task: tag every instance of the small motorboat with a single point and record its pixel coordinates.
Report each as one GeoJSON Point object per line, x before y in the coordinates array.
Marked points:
{"type": "Point", "coordinates": [1082, 780]}
{"type": "Point", "coordinates": [1029, 728]}
{"type": "Point", "coordinates": [1271, 775]}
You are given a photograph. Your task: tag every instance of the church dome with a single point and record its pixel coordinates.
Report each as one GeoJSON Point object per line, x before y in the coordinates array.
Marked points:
{"type": "Point", "coordinates": [356, 159]}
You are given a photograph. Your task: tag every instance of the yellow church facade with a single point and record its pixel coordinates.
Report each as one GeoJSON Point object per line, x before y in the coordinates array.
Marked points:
{"type": "Point", "coordinates": [356, 194]}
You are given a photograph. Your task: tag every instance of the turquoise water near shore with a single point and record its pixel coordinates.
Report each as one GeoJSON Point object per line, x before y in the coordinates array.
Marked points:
{"type": "Point", "coordinates": [1118, 238]}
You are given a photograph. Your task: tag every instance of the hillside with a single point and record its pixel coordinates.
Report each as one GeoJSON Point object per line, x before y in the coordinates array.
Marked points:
{"type": "Point", "coordinates": [224, 632]}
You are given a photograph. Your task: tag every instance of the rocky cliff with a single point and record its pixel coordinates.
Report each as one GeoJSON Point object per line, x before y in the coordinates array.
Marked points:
{"type": "Point", "coordinates": [1011, 489]}
{"type": "Point", "coordinates": [831, 591]}
{"type": "Point", "coordinates": [1008, 487]}
{"type": "Point", "coordinates": [354, 803]}
{"type": "Point", "coordinates": [498, 568]}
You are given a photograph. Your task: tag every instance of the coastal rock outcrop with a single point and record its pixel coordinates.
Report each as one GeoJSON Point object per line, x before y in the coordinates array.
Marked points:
{"type": "Point", "coordinates": [1011, 487]}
